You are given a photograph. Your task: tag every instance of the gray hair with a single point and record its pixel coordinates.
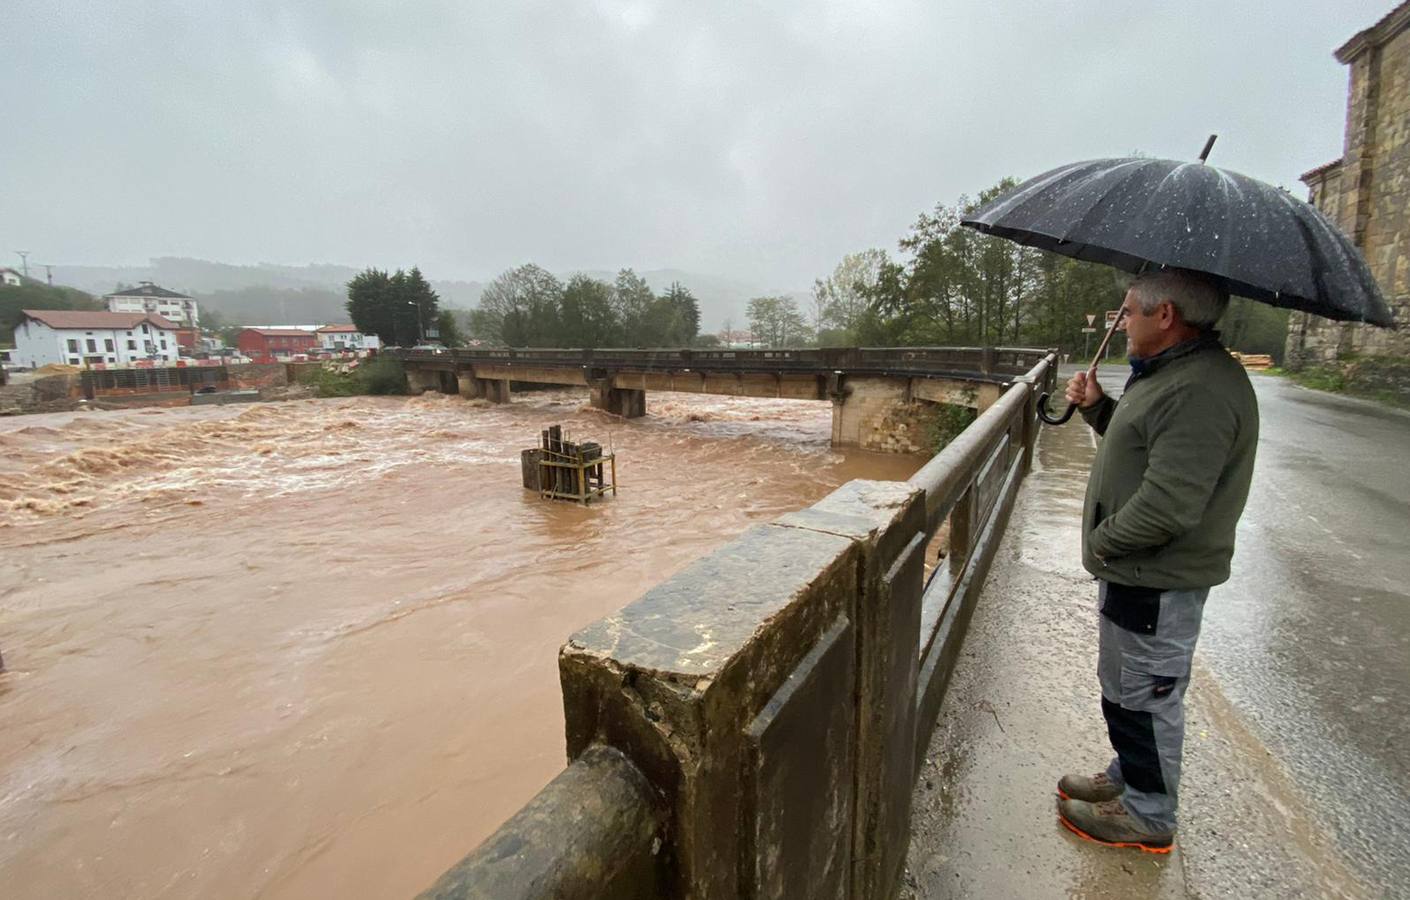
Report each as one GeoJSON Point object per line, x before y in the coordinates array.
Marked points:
{"type": "Point", "coordinates": [1199, 299]}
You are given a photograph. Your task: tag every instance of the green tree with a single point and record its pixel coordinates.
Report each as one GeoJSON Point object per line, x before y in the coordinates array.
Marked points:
{"type": "Point", "coordinates": [418, 303]}
{"type": "Point", "coordinates": [684, 315]}
{"type": "Point", "coordinates": [958, 286]}
{"type": "Point", "coordinates": [448, 329]}
{"type": "Point", "coordinates": [521, 308]}
{"type": "Point", "coordinates": [777, 322]}
{"type": "Point", "coordinates": [588, 317]}
{"type": "Point", "coordinates": [370, 305]}
{"type": "Point", "coordinates": [398, 308]}
{"type": "Point", "coordinates": [840, 299]}
{"type": "Point", "coordinates": [634, 300]}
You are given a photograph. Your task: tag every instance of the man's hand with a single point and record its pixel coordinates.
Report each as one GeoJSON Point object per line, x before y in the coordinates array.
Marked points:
{"type": "Point", "coordinates": [1084, 392]}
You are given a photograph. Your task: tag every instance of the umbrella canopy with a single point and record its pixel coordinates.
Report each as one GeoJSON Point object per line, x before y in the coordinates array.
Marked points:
{"type": "Point", "coordinates": [1259, 240]}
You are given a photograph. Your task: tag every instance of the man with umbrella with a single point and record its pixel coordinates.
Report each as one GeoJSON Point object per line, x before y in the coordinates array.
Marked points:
{"type": "Point", "coordinates": [1165, 494]}
{"type": "Point", "coordinates": [1175, 463]}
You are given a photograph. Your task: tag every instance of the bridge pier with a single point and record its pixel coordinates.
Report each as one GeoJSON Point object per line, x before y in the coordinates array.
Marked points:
{"type": "Point", "coordinates": [495, 390]}
{"type": "Point", "coordinates": [420, 380]}
{"type": "Point", "coordinates": [892, 414]}
{"type": "Point", "coordinates": [628, 403]}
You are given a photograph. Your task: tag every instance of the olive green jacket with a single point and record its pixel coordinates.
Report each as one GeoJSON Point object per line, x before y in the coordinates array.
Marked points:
{"type": "Point", "coordinates": [1173, 470]}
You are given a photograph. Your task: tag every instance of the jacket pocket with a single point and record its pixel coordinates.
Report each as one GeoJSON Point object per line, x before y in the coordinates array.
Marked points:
{"type": "Point", "coordinates": [1133, 608]}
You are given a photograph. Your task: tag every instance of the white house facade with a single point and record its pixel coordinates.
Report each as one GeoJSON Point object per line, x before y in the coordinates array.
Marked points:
{"type": "Point", "coordinates": [78, 337]}
{"type": "Point", "coordinates": [346, 337]}
{"type": "Point", "coordinates": [150, 298]}
{"type": "Point", "coordinates": [10, 277]}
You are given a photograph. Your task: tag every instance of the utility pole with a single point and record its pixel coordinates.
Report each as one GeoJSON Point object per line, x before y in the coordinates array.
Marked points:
{"type": "Point", "coordinates": [24, 261]}
{"type": "Point", "coordinates": [49, 274]}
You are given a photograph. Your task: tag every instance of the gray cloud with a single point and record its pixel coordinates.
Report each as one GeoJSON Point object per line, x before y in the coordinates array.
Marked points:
{"type": "Point", "coordinates": [760, 141]}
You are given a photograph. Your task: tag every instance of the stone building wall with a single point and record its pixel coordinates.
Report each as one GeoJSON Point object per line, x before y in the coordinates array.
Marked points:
{"type": "Point", "coordinates": [1367, 192]}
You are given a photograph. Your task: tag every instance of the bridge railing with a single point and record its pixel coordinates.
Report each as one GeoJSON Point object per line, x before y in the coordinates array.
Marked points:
{"type": "Point", "coordinates": [754, 726]}
{"type": "Point", "coordinates": [919, 360]}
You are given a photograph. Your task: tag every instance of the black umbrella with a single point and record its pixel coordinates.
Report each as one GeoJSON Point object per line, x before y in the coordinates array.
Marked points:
{"type": "Point", "coordinates": [1259, 241]}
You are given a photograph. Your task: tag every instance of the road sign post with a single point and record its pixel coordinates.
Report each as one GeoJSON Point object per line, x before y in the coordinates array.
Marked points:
{"type": "Point", "coordinates": [1111, 316]}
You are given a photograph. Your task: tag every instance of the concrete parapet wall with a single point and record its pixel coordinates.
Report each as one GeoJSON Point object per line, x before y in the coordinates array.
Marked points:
{"type": "Point", "coordinates": [677, 679]}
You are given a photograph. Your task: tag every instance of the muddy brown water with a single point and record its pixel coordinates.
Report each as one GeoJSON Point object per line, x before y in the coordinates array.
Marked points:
{"type": "Point", "coordinates": [308, 649]}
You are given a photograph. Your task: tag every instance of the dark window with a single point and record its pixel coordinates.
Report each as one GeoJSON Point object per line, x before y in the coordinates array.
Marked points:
{"type": "Point", "coordinates": [73, 345]}
{"type": "Point", "coordinates": [92, 345]}
{"type": "Point", "coordinates": [108, 345]}
{"type": "Point", "coordinates": [131, 345]}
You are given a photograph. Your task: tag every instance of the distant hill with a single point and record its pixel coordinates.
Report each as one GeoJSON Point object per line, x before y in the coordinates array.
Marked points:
{"type": "Point", "coordinates": [35, 294]}
{"type": "Point", "coordinates": [267, 293]}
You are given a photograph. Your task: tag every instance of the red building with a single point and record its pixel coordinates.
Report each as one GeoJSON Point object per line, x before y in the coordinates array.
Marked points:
{"type": "Point", "coordinates": [186, 338]}
{"type": "Point", "coordinates": [266, 344]}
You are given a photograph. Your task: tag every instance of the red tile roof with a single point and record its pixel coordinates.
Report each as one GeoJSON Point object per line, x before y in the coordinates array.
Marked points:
{"type": "Point", "coordinates": [82, 318]}
{"type": "Point", "coordinates": [282, 332]}
{"type": "Point", "coordinates": [1325, 167]}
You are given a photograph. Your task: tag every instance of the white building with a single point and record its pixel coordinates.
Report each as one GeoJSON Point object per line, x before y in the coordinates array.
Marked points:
{"type": "Point", "coordinates": [10, 277]}
{"type": "Point", "coordinates": [78, 337]}
{"type": "Point", "coordinates": [149, 298]}
{"type": "Point", "coordinates": [346, 337]}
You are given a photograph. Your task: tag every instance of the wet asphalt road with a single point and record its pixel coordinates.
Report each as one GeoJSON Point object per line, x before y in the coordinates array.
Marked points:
{"type": "Point", "coordinates": [1310, 638]}
{"type": "Point", "coordinates": [1297, 771]}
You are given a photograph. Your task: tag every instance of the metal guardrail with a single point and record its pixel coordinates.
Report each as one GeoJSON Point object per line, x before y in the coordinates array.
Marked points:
{"type": "Point", "coordinates": [602, 828]}
{"type": "Point", "coordinates": [971, 484]}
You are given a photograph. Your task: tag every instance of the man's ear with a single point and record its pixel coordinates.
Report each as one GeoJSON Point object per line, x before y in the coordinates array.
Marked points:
{"type": "Point", "coordinates": [1168, 316]}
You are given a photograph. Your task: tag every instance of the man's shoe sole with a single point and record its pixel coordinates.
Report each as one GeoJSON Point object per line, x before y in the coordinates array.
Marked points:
{"type": "Point", "coordinates": [1147, 848]}
{"type": "Point", "coordinates": [1063, 795]}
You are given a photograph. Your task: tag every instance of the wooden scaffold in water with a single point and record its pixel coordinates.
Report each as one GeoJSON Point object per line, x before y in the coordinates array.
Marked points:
{"type": "Point", "coordinates": [560, 469]}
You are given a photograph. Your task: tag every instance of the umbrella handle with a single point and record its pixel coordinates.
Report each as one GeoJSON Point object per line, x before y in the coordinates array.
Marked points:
{"type": "Point", "coordinates": [1049, 417]}
{"type": "Point", "coordinates": [1091, 374]}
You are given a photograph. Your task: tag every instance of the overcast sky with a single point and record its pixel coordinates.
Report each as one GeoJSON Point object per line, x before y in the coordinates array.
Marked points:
{"type": "Point", "coordinates": [755, 140]}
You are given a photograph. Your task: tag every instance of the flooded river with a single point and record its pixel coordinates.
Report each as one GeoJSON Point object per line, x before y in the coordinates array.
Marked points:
{"type": "Point", "coordinates": [309, 649]}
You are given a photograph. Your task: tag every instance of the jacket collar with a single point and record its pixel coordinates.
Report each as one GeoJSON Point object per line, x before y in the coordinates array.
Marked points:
{"type": "Point", "coordinates": [1142, 366]}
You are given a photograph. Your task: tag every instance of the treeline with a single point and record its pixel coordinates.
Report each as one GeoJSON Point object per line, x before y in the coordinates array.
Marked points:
{"type": "Point", "coordinates": [529, 307]}
{"type": "Point", "coordinates": [954, 285]}
{"type": "Point", "coordinates": [401, 308]}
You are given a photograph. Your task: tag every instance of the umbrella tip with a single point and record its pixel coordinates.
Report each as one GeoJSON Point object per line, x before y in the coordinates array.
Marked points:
{"type": "Point", "coordinates": [1208, 146]}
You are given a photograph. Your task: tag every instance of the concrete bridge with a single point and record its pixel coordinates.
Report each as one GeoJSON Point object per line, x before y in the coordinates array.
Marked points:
{"type": "Point", "coordinates": [755, 725]}
{"type": "Point", "coordinates": [881, 396]}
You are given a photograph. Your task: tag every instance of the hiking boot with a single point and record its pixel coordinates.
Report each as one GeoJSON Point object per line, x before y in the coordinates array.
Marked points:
{"type": "Point", "coordinates": [1093, 788]}
{"type": "Point", "coordinates": [1109, 823]}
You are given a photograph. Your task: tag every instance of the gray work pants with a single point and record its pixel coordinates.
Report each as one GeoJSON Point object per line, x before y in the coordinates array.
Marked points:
{"type": "Point", "coordinates": [1145, 647]}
